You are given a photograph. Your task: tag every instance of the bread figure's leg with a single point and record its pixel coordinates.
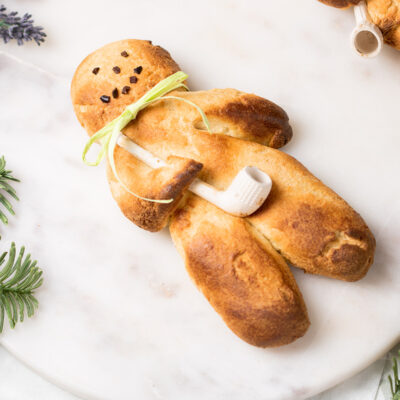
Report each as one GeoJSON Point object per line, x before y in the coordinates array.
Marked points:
{"type": "Point", "coordinates": [246, 281]}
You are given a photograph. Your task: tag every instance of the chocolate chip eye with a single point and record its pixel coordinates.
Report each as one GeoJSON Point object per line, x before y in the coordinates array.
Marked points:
{"type": "Point", "coordinates": [125, 90]}
{"type": "Point", "coordinates": [138, 70]}
{"type": "Point", "coordinates": [115, 93]}
{"type": "Point", "coordinates": [124, 54]}
{"type": "Point", "coordinates": [96, 70]}
{"type": "Point", "coordinates": [117, 70]}
{"type": "Point", "coordinates": [105, 99]}
{"type": "Point", "coordinates": [133, 79]}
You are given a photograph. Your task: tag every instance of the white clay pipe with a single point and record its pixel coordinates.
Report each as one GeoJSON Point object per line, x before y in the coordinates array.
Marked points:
{"type": "Point", "coordinates": [366, 38]}
{"type": "Point", "coordinates": [243, 197]}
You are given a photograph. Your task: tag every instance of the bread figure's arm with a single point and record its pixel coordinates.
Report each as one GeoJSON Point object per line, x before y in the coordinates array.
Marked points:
{"type": "Point", "coordinates": [242, 115]}
{"type": "Point", "coordinates": [164, 183]}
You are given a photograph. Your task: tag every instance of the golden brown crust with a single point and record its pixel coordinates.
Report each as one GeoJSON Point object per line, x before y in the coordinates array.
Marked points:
{"type": "Point", "coordinates": [245, 116]}
{"type": "Point", "coordinates": [246, 281]}
{"type": "Point", "coordinates": [169, 182]}
{"type": "Point", "coordinates": [386, 14]}
{"type": "Point", "coordinates": [319, 232]}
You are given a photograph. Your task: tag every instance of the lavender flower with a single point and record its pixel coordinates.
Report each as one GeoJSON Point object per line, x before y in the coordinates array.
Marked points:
{"type": "Point", "coordinates": [20, 28]}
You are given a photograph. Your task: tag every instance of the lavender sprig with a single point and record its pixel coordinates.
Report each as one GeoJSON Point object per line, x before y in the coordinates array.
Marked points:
{"type": "Point", "coordinates": [20, 28]}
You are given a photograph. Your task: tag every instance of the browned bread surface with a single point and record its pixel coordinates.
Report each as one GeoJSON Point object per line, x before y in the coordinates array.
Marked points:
{"type": "Point", "coordinates": [243, 277]}
{"type": "Point", "coordinates": [386, 14]}
{"type": "Point", "coordinates": [245, 116]}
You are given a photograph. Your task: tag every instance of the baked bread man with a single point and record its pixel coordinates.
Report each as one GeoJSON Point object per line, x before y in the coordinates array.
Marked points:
{"type": "Point", "coordinates": [239, 264]}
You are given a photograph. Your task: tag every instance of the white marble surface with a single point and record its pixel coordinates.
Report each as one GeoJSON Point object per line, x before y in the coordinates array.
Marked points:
{"type": "Point", "coordinates": [118, 319]}
{"type": "Point", "coordinates": [363, 386]}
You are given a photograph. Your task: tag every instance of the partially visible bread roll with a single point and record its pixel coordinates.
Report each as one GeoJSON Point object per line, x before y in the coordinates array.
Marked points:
{"type": "Point", "coordinates": [386, 14]}
{"type": "Point", "coordinates": [340, 3]}
{"type": "Point", "coordinates": [246, 281]}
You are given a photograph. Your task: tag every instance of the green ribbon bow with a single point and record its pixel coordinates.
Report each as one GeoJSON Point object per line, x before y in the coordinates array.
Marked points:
{"type": "Point", "coordinates": [109, 134]}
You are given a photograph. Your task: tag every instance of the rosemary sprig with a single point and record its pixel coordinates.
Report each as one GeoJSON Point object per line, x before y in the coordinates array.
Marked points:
{"type": "Point", "coordinates": [19, 277]}
{"type": "Point", "coordinates": [5, 176]}
{"type": "Point", "coordinates": [395, 381]}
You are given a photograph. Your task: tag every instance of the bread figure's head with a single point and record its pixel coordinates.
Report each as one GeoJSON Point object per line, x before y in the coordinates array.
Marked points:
{"type": "Point", "coordinates": [115, 76]}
